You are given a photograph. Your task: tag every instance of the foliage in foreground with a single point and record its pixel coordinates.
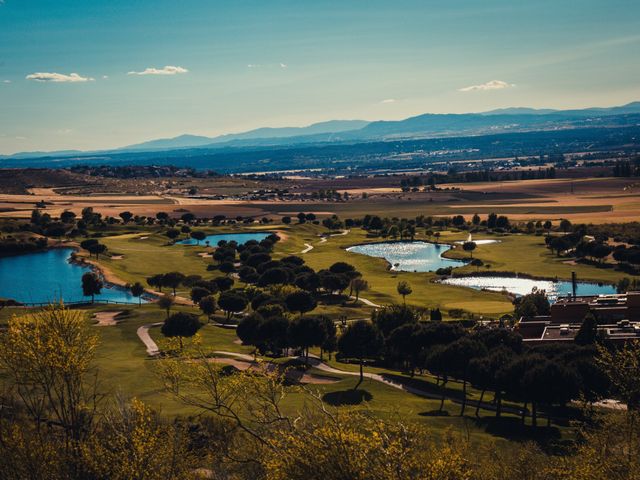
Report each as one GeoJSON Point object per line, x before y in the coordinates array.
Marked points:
{"type": "Point", "coordinates": [52, 425]}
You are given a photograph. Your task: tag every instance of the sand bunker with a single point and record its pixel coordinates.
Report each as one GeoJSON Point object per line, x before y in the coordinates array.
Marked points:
{"type": "Point", "coordinates": [106, 319]}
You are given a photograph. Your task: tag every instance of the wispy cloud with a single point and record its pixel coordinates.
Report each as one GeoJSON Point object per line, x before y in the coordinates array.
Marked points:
{"type": "Point", "coordinates": [58, 77]}
{"type": "Point", "coordinates": [388, 100]}
{"type": "Point", "coordinates": [6, 81]}
{"type": "Point", "coordinates": [268, 65]}
{"type": "Point", "coordinates": [167, 70]}
{"type": "Point", "coordinates": [492, 85]}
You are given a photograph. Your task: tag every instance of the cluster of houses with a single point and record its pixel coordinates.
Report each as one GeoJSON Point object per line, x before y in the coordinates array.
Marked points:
{"type": "Point", "coordinates": [618, 318]}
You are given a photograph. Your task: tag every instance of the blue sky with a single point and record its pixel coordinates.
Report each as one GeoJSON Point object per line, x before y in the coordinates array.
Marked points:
{"type": "Point", "coordinates": [242, 64]}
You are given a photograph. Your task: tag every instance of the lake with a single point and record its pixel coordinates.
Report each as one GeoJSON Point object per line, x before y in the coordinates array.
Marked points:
{"type": "Point", "coordinates": [523, 286]}
{"type": "Point", "coordinates": [44, 277]}
{"type": "Point", "coordinates": [229, 237]}
{"type": "Point", "coordinates": [409, 256]}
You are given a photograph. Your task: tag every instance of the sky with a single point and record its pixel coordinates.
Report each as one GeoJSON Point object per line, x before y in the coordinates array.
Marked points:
{"type": "Point", "coordinates": [88, 74]}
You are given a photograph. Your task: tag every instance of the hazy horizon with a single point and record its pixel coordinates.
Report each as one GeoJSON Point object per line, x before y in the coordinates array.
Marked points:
{"type": "Point", "coordinates": [94, 75]}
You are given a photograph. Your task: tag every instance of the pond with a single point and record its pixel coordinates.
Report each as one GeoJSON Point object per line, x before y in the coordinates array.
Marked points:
{"type": "Point", "coordinates": [409, 256]}
{"type": "Point", "coordinates": [523, 286]}
{"type": "Point", "coordinates": [45, 277]}
{"type": "Point", "coordinates": [229, 237]}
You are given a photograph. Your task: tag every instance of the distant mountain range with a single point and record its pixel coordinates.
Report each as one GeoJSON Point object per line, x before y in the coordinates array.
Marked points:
{"type": "Point", "coordinates": [184, 141]}
{"type": "Point", "coordinates": [426, 126]}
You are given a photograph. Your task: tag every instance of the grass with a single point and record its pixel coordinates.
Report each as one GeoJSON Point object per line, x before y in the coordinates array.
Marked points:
{"type": "Point", "coordinates": [524, 254]}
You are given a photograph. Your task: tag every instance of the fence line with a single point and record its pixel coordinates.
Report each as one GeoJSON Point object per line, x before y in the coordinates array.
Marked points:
{"type": "Point", "coordinates": [79, 302]}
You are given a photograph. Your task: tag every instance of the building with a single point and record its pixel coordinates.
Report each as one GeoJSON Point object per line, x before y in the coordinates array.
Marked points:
{"type": "Point", "coordinates": [618, 318]}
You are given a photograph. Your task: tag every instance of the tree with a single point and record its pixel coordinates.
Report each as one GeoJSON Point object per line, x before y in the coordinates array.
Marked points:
{"type": "Point", "coordinates": [301, 302]}
{"type": "Point", "coordinates": [588, 333]}
{"type": "Point", "coordinates": [227, 267]}
{"type": "Point", "coordinates": [224, 283]}
{"type": "Point", "coordinates": [565, 225]}
{"type": "Point", "coordinates": [248, 330]}
{"type": "Point", "coordinates": [622, 367]}
{"type": "Point", "coordinates": [67, 216]}
{"type": "Point", "coordinates": [172, 280]}
{"type": "Point", "coordinates": [126, 216]}
{"type": "Point", "coordinates": [469, 247]}
{"type": "Point", "coordinates": [137, 289]}
{"type": "Point", "coordinates": [181, 325]}
{"type": "Point", "coordinates": [533, 304]}
{"type": "Point", "coordinates": [198, 236]}
{"type": "Point", "coordinates": [232, 302]}
{"type": "Point", "coordinates": [404, 289]}
{"type": "Point", "coordinates": [208, 306]}
{"type": "Point", "coordinates": [361, 340]}
{"type": "Point", "coordinates": [91, 285]}
{"type": "Point", "coordinates": [273, 276]}
{"type": "Point", "coordinates": [45, 359]}
{"type": "Point", "coordinates": [156, 281]}
{"type": "Point", "coordinates": [172, 233]}
{"type": "Point", "coordinates": [165, 302]}
{"type": "Point", "coordinates": [198, 293]}
{"type": "Point", "coordinates": [359, 285]}
{"type": "Point", "coordinates": [305, 332]}
{"type": "Point", "coordinates": [457, 356]}
{"type": "Point", "coordinates": [391, 317]}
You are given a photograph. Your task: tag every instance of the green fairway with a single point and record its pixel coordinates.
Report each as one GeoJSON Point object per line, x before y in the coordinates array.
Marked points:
{"type": "Point", "coordinates": [525, 254]}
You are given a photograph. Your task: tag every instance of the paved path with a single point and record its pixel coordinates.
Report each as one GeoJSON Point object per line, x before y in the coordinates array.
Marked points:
{"type": "Point", "coordinates": [152, 350]}
{"type": "Point", "coordinates": [367, 302]}
{"type": "Point", "coordinates": [143, 334]}
{"type": "Point", "coordinates": [323, 239]}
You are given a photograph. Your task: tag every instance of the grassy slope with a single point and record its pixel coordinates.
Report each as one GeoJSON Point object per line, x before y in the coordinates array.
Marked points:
{"type": "Point", "coordinates": [516, 253]}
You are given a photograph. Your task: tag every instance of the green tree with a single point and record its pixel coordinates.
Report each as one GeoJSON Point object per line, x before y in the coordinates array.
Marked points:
{"type": "Point", "coordinates": [588, 333]}
{"type": "Point", "coordinates": [137, 290]}
{"type": "Point", "coordinates": [360, 340]}
{"type": "Point", "coordinates": [469, 247]}
{"type": "Point", "coordinates": [305, 332]}
{"type": "Point", "coordinates": [404, 289]}
{"type": "Point", "coordinates": [208, 306]}
{"type": "Point", "coordinates": [232, 302]}
{"type": "Point", "coordinates": [181, 325]}
{"type": "Point", "coordinates": [91, 285]}
{"type": "Point", "coordinates": [165, 302]}
{"type": "Point", "coordinates": [300, 301]}
{"type": "Point", "coordinates": [173, 280]}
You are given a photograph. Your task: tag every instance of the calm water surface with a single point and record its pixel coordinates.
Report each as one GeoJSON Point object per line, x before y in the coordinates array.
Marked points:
{"type": "Point", "coordinates": [409, 256]}
{"type": "Point", "coordinates": [229, 237]}
{"type": "Point", "coordinates": [49, 277]}
{"type": "Point", "coordinates": [523, 286]}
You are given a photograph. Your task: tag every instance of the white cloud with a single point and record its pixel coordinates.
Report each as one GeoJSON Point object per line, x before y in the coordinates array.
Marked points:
{"type": "Point", "coordinates": [253, 65]}
{"type": "Point", "coordinates": [283, 65]}
{"type": "Point", "coordinates": [167, 70]}
{"type": "Point", "coordinates": [105, 77]}
{"type": "Point", "coordinates": [388, 100]}
{"type": "Point", "coordinates": [58, 77]}
{"type": "Point", "coordinates": [6, 81]}
{"type": "Point", "coordinates": [492, 85]}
